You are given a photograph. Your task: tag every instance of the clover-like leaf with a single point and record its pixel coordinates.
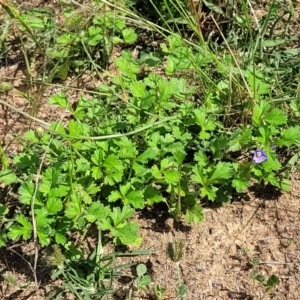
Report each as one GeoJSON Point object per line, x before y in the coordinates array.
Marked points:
{"type": "Point", "coordinates": [221, 171]}
{"type": "Point", "coordinates": [43, 236]}
{"type": "Point", "coordinates": [96, 212]}
{"type": "Point", "coordinates": [241, 184]}
{"type": "Point", "coordinates": [23, 230]}
{"type": "Point", "coordinates": [290, 136]}
{"type": "Point", "coordinates": [171, 176]}
{"type": "Point", "coordinates": [119, 216]}
{"type": "Point", "coordinates": [26, 192]}
{"type": "Point", "coordinates": [152, 195]}
{"type": "Point", "coordinates": [198, 175]}
{"type": "Point", "coordinates": [97, 157]}
{"type": "Point", "coordinates": [179, 156]}
{"type": "Point", "coordinates": [129, 35]}
{"type": "Point", "coordinates": [74, 208]}
{"type": "Point", "coordinates": [128, 234]}
{"type": "Point", "coordinates": [259, 111]}
{"type": "Point", "coordinates": [113, 163]}
{"type": "Point", "coordinates": [276, 117]}
{"type": "Point", "coordinates": [59, 99]}
{"type": "Point", "coordinates": [135, 198]}
{"type": "Point", "coordinates": [54, 205]}
{"type": "Point", "coordinates": [8, 177]}
{"type": "Point", "coordinates": [209, 192]}
{"type": "Point", "coordinates": [194, 215]}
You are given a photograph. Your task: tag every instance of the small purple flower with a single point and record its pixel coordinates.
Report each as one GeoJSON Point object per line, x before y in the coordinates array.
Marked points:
{"type": "Point", "coordinates": [259, 156]}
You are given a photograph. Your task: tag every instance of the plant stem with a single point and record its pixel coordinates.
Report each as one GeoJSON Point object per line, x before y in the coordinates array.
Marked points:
{"type": "Point", "coordinates": [99, 250]}
{"type": "Point", "coordinates": [178, 273]}
{"type": "Point", "coordinates": [178, 209]}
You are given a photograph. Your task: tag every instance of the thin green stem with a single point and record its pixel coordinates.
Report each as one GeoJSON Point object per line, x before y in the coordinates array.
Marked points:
{"type": "Point", "coordinates": [99, 251]}
{"type": "Point", "coordinates": [15, 14]}
{"type": "Point", "coordinates": [91, 138]}
{"type": "Point", "coordinates": [178, 273]}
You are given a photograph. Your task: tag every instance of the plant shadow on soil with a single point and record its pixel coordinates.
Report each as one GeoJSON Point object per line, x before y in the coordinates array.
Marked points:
{"type": "Point", "coordinates": [159, 216]}
{"type": "Point", "coordinates": [268, 192]}
{"type": "Point", "coordinates": [15, 261]}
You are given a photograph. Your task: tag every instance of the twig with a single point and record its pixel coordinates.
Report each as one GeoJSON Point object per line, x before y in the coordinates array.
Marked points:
{"type": "Point", "coordinates": [21, 112]}
{"type": "Point", "coordinates": [195, 12]}
{"type": "Point", "coordinates": [274, 263]}
{"type": "Point", "coordinates": [18, 254]}
{"type": "Point", "coordinates": [35, 238]}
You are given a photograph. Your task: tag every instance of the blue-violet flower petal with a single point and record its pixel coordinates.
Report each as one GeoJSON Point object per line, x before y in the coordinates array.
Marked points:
{"type": "Point", "coordinates": [259, 156]}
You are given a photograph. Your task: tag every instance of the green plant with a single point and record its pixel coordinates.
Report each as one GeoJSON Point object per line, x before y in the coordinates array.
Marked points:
{"type": "Point", "coordinates": [175, 251]}
{"type": "Point", "coordinates": [87, 277]}
{"type": "Point", "coordinates": [94, 175]}
{"type": "Point", "coordinates": [95, 38]}
{"type": "Point", "coordinates": [142, 281]}
{"type": "Point", "coordinates": [87, 35]}
{"type": "Point", "coordinates": [268, 284]}
{"type": "Point", "coordinates": [159, 291]}
{"type": "Point", "coordinates": [256, 275]}
{"type": "Point", "coordinates": [212, 119]}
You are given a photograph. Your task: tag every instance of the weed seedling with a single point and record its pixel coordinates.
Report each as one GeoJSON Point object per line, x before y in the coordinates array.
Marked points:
{"type": "Point", "coordinates": [175, 251]}
{"type": "Point", "coordinates": [268, 284]}
{"type": "Point", "coordinates": [143, 280]}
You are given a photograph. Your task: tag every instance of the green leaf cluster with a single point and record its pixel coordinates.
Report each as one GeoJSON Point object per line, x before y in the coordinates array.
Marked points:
{"type": "Point", "coordinates": [87, 178]}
